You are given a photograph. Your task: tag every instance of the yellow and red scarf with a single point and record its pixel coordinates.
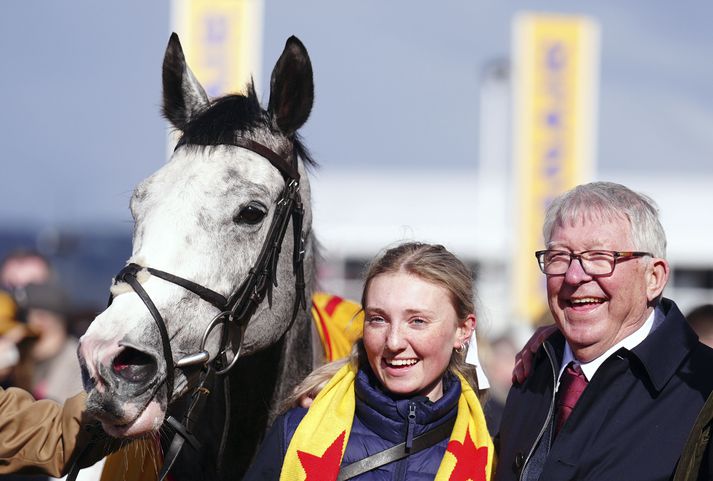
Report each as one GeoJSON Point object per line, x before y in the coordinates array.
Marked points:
{"type": "Point", "coordinates": [316, 449]}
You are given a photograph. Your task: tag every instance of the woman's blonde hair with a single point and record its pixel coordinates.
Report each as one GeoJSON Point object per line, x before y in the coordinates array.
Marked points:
{"type": "Point", "coordinates": [432, 263]}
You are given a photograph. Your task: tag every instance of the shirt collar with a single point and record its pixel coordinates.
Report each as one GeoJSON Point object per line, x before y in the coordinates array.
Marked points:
{"type": "Point", "coordinates": [629, 342]}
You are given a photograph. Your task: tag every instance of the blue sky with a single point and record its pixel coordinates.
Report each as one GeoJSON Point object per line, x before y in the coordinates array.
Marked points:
{"type": "Point", "coordinates": [396, 88]}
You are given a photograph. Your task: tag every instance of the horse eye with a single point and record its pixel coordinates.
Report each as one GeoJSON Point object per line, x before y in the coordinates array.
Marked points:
{"type": "Point", "coordinates": [252, 214]}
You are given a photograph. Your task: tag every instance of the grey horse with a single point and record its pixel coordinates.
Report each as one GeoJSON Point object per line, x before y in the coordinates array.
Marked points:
{"type": "Point", "coordinates": [204, 216]}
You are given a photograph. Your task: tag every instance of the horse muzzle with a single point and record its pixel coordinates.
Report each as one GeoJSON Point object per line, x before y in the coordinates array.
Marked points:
{"type": "Point", "coordinates": [125, 385]}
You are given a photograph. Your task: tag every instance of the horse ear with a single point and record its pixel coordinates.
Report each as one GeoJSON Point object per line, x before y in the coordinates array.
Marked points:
{"type": "Point", "coordinates": [291, 87]}
{"type": "Point", "coordinates": [183, 96]}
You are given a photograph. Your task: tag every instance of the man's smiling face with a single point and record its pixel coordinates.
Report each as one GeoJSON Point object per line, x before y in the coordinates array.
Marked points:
{"type": "Point", "coordinates": [594, 313]}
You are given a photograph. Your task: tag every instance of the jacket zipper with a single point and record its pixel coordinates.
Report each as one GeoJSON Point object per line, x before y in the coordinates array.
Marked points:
{"type": "Point", "coordinates": [549, 413]}
{"type": "Point", "coordinates": [411, 425]}
{"type": "Point", "coordinates": [401, 468]}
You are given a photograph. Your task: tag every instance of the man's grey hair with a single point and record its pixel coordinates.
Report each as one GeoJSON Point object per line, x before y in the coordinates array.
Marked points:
{"type": "Point", "coordinates": [601, 201]}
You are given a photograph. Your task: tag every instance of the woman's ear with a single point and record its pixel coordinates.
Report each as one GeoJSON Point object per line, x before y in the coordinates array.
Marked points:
{"type": "Point", "coordinates": [464, 331]}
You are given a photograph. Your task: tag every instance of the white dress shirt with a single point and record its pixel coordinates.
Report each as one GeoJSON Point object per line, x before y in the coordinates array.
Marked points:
{"type": "Point", "coordinates": [629, 342]}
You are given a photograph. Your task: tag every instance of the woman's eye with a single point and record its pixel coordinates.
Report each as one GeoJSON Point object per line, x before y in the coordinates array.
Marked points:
{"type": "Point", "coordinates": [418, 320]}
{"type": "Point", "coordinates": [251, 214]}
{"type": "Point", "coordinates": [375, 319]}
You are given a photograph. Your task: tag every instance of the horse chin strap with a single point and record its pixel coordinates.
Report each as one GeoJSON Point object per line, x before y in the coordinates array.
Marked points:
{"type": "Point", "coordinates": [236, 310]}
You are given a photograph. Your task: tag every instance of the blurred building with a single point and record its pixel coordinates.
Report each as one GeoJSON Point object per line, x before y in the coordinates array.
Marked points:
{"type": "Point", "coordinates": [471, 213]}
{"type": "Point", "coordinates": [480, 213]}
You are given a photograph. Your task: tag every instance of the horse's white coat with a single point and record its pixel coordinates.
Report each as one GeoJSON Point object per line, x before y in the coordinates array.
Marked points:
{"type": "Point", "coordinates": [184, 225]}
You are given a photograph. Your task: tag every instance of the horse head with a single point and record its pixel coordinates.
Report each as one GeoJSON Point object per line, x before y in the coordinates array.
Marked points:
{"type": "Point", "coordinates": [204, 217]}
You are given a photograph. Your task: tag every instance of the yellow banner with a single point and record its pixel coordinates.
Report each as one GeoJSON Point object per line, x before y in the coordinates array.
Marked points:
{"type": "Point", "coordinates": [555, 87]}
{"type": "Point", "coordinates": [222, 41]}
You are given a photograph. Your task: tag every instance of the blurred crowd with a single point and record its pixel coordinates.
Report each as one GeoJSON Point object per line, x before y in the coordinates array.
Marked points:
{"type": "Point", "coordinates": [37, 353]}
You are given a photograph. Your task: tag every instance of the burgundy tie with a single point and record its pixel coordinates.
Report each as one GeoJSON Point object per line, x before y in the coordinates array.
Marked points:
{"type": "Point", "coordinates": [572, 385]}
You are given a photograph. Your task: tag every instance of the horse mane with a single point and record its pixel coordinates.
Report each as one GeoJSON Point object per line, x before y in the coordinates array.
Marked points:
{"type": "Point", "coordinates": [232, 116]}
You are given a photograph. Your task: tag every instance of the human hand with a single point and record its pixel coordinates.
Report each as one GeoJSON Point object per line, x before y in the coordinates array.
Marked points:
{"type": "Point", "coordinates": [305, 400]}
{"type": "Point", "coordinates": [9, 356]}
{"type": "Point", "coordinates": [16, 334]}
{"type": "Point", "coordinates": [523, 359]}
{"type": "Point", "coordinates": [306, 391]}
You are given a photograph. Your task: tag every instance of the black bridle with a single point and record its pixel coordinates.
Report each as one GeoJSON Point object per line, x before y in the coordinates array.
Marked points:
{"type": "Point", "coordinates": [236, 310]}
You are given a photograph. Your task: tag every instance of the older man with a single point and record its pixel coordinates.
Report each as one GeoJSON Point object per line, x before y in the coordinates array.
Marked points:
{"type": "Point", "coordinates": [614, 392]}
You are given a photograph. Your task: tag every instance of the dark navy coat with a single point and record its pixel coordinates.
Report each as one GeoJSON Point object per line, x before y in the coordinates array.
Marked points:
{"type": "Point", "coordinates": [380, 422]}
{"type": "Point", "coordinates": [631, 422]}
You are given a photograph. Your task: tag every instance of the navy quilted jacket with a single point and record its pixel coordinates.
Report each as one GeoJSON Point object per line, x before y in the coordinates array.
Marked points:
{"type": "Point", "coordinates": [380, 422]}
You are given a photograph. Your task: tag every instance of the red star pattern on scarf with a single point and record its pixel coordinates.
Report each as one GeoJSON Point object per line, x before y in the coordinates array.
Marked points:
{"type": "Point", "coordinates": [325, 467]}
{"type": "Point", "coordinates": [471, 462]}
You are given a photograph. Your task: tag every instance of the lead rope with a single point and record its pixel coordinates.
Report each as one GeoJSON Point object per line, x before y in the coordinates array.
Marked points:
{"type": "Point", "coordinates": [226, 424]}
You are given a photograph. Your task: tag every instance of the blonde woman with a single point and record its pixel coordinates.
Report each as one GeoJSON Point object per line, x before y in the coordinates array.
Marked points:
{"type": "Point", "coordinates": [403, 406]}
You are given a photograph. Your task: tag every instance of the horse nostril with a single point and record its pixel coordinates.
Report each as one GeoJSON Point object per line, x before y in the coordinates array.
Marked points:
{"type": "Point", "coordinates": [134, 366]}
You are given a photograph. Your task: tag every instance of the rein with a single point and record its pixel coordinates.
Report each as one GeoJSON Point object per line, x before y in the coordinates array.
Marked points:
{"type": "Point", "coordinates": [236, 310]}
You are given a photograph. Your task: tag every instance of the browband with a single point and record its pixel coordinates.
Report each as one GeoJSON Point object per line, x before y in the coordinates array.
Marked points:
{"type": "Point", "coordinates": [287, 169]}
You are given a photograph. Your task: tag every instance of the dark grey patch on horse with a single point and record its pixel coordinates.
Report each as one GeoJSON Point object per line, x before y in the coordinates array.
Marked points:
{"type": "Point", "coordinates": [187, 303]}
{"type": "Point", "coordinates": [233, 181]}
{"type": "Point", "coordinates": [136, 206]}
{"type": "Point", "coordinates": [187, 239]}
{"type": "Point", "coordinates": [138, 234]}
{"type": "Point", "coordinates": [230, 175]}
{"type": "Point", "coordinates": [204, 220]}
{"type": "Point", "coordinates": [139, 198]}
{"type": "Point", "coordinates": [140, 193]}
{"type": "Point", "coordinates": [183, 345]}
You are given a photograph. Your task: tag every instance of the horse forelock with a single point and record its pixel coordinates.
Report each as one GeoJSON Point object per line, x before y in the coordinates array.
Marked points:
{"type": "Point", "coordinates": [223, 119]}
{"type": "Point", "coordinates": [238, 116]}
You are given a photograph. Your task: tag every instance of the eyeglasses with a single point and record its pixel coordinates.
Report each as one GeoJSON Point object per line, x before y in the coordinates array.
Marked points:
{"type": "Point", "coordinates": [594, 262]}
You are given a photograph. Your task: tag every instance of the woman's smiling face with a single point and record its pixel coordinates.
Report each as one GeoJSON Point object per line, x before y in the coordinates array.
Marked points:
{"type": "Point", "coordinates": [410, 331]}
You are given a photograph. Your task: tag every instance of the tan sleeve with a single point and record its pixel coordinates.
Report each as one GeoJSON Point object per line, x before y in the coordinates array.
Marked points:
{"type": "Point", "coordinates": [41, 436]}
